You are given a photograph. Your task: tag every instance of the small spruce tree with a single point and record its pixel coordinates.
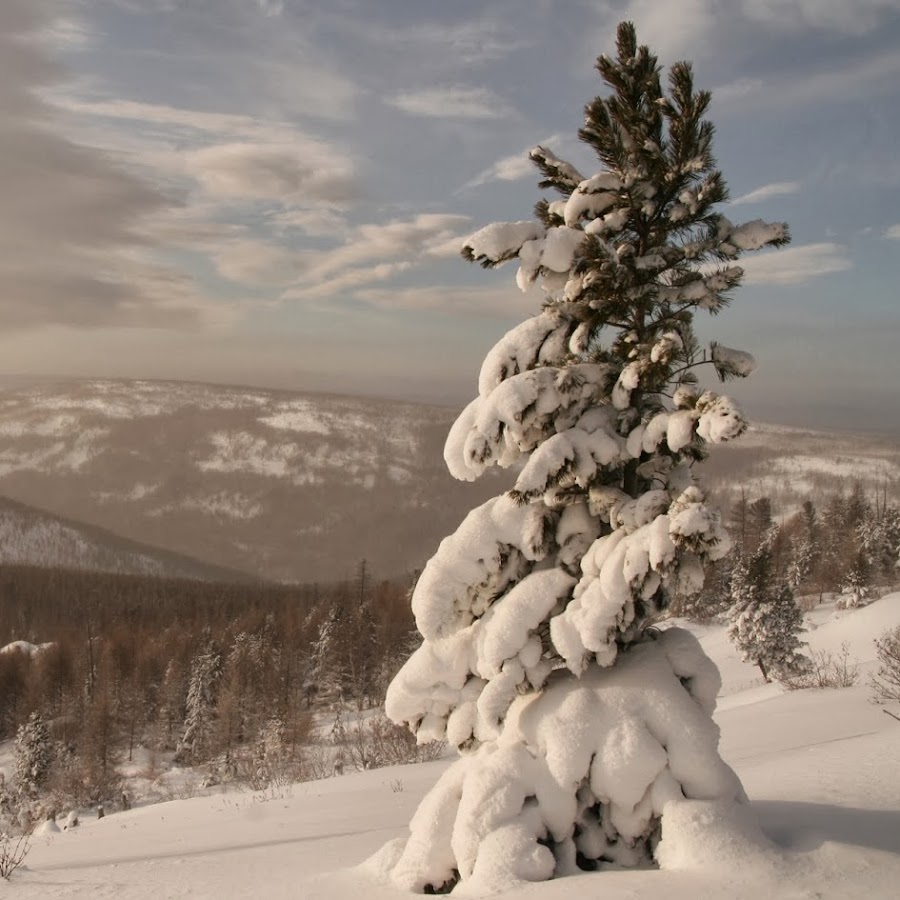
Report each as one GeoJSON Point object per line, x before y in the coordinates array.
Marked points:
{"type": "Point", "coordinates": [34, 755]}
{"type": "Point", "coordinates": [200, 705]}
{"type": "Point", "coordinates": [765, 619]}
{"type": "Point", "coordinates": [855, 590]}
{"type": "Point", "coordinates": [578, 721]}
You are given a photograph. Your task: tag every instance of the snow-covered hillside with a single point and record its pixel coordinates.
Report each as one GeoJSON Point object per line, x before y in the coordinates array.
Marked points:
{"type": "Point", "coordinates": [32, 537]}
{"type": "Point", "coordinates": [276, 484]}
{"type": "Point", "coordinates": [280, 484]}
{"type": "Point", "coordinates": [790, 465]}
{"type": "Point", "coordinates": [819, 765]}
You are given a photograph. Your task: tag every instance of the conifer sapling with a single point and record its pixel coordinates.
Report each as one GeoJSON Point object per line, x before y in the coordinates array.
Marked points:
{"type": "Point", "coordinates": [578, 722]}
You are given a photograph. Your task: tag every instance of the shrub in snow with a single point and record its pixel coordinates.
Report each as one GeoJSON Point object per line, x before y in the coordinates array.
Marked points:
{"type": "Point", "coordinates": [886, 681]}
{"type": "Point", "coordinates": [826, 670]}
{"type": "Point", "coordinates": [13, 851]}
{"type": "Point", "coordinates": [579, 724]}
{"type": "Point", "coordinates": [765, 620]}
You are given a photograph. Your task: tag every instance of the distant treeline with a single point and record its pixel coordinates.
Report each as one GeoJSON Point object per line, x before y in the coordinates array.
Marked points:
{"type": "Point", "coordinates": [190, 666]}
{"type": "Point", "coordinates": [40, 604]}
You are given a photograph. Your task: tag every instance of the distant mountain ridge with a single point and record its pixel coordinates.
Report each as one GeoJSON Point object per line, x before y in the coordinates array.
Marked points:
{"type": "Point", "coordinates": [280, 485]}
{"type": "Point", "coordinates": [30, 536]}
{"type": "Point", "coordinates": [298, 487]}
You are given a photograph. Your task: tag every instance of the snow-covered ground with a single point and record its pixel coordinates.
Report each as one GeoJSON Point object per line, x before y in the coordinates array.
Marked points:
{"type": "Point", "coordinates": [821, 767]}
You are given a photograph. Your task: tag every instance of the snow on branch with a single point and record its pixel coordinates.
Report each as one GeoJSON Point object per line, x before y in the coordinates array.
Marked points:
{"type": "Point", "coordinates": [629, 566]}
{"type": "Point", "coordinates": [518, 414]}
{"type": "Point", "coordinates": [487, 553]}
{"type": "Point", "coordinates": [751, 236]}
{"type": "Point", "coordinates": [577, 454]}
{"type": "Point", "coordinates": [500, 242]}
{"type": "Point", "coordinates": [557, 172]}
{"type": "Point", "coordinates": [731, 363]}
{"type": "Point", "coordinates": [542, 339]}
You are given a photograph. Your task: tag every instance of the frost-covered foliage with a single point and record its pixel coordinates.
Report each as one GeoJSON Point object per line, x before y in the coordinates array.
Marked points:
{"type": "Point", "coordinates": [581, 773]}
{"type": "Point", "coordinates": [765, 620]}
{"type": "Point", "coordinates": [200, 707]}
{"type": "Point", "coordinates": [34, 753]}
{"type": "Point", "coordinates": [579, 723]}
{"type": "Point", "coordinates": [855, 590]}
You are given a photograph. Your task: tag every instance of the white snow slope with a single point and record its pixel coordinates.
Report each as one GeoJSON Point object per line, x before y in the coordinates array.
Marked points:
{"type": "Point", "coordinates": [821, 767]}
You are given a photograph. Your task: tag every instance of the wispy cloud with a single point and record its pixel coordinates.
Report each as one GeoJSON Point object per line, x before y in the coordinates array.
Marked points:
{"type": "Point", "coordinates": [271, 7]}
{"type": "Point", "coordinates": [796, 265]}
{"type": "Point", "coordinates": [374, 252]}
{"type": "Point", "coordinates": [454, 102]}
{"type": "Point", "coordinates": [302, 170]}
{"type": "Point", "coordinates": [319, 222]}
{"type": "Point", "coordinates": [698, 29]}
{"type": "Point", "coordinates": [505, 301]}
{"type": "Point", "coordinates": [73, 248]}
{"type": "Point", "coordinates": [675, 29]}
{"type": "Point", "coordinates": [463, 43]}
{"type": "Point", "coordinates": [509, 168]}
{"type": "Point", "coordinates": [830, 84]}
{"type": "Point", "coordinates": [893, 232]}
{"type": "Point", "coordinates": [855, 18]}
{"type": "Point", "coordinates": [257, 262]}
{"type": "Point", "coordinates": [515, 166]}
{"type": "Point", "coordinates": [766, 191]}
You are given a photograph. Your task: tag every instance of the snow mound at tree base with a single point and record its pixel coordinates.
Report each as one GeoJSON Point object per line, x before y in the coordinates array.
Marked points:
{"type": "Point", "coordinates": [714, 836]}
{"type": "Point", "coordinates": [582, 776]}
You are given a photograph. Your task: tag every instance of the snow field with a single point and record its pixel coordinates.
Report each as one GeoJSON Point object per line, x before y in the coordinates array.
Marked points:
{"type": "Point", "coordinates": [819, 766]}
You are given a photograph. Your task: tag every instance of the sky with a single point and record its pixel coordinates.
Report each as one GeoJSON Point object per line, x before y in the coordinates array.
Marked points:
{"type": "Point", "coordinates": [273, 192]}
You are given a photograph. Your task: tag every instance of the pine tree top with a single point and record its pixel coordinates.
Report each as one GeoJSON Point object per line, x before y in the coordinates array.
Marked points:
{"type": "Point", "coordinates": [632, 252]}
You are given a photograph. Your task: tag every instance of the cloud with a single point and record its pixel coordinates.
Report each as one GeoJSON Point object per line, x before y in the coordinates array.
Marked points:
{"type": "Point", "coordinates": [489, 302]}
{"type": "Point", "coordinates": [251, 261]}
{"type": "Point", "coordinates": [425, 235]}
{"type": "Point", "coordinates": [855, 18]}
{"type": "Point", "coordinates": [451, 103]}
{"type": "Point", "coordinates": [232, 156]}
{"type": "Point", "coordinates": [514, 167]}
{"type": "Point", "coordinates": [346, 281]}
{"type": "Point", "coordinates": [229, 166]}
{"type": "Point", "coordinates": [509, 168]}
{"type": "Point", "coordinates": [470, 43]}
{"type": "Point", "coordinates": [72, 246]}
{"type": "Point", "coordinates": [700, 29]}
{"type": "Point", "coordinates": [467, 43]}
{"type": "Point", "coordinates": [247, 55]}
{"type": "Point", "coordinates": [825, 85]}
{"type": "Point", "coordinates": [775, 189]}
{"type": "Point", "coordinates": [291, 172]}
{"type": "Point", "coordinates": [182, 120]}
{"type": "Point", "coordinates": [271, 7]}
{"type": "Point", "coordinates": [675, 29]}
{"type": "Point", "coordinates": [893, 232]}
{"type": "Point", "coordinates": [322, 222]}
{"type": "Point", "coordinates": [374, 252]}
{"type": "Point", "coordinates": [796, 265]}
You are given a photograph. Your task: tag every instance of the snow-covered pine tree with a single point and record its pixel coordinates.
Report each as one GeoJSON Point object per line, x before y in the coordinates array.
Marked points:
{"type": "Point", "coordinates": [765, 621]}
{"type": "Point", "coordinates": [200, 706]}
{"type": "Point", "coordinates": [578, 721]}
{"type": "Point", "coordinates": [855, 589]}
{"type": "Point", "coordinates": [33, 753]}
{"type": "Point", "coordinates": [804, 552]}
{"type": "Point", "coordinates": [327, 654]}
